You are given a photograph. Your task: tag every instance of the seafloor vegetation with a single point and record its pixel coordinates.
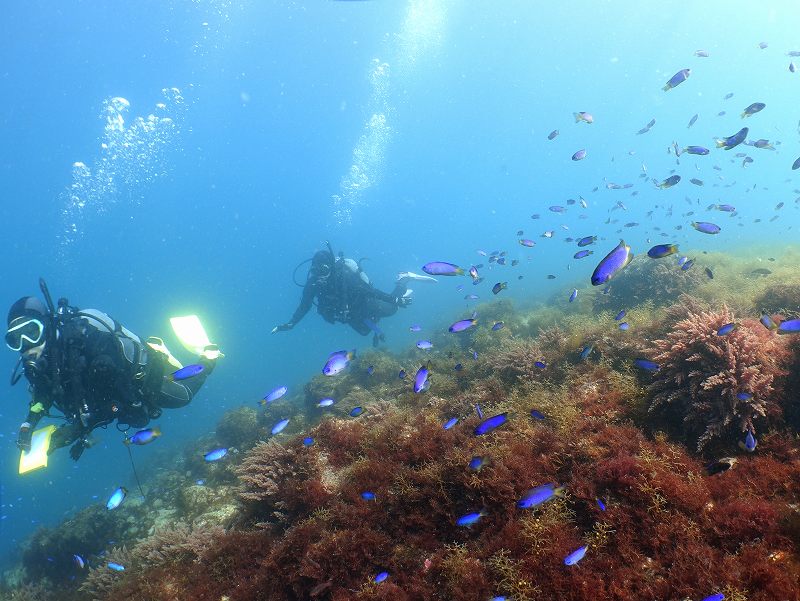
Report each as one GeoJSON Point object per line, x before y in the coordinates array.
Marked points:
{"type": "Point", "coordinates": [284, 518]}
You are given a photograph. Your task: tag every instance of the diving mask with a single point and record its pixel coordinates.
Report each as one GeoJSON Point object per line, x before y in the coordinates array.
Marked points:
{"type": "Point", "coordinates": [26, 333]}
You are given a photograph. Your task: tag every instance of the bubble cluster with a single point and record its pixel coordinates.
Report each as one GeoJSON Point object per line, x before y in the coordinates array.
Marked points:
{"type": "Point", "coordinates": [369, 152]}
{"type": "Point", "coordinates": [132, 155]}
{"type": "Point", "coordinates": [420, 35]}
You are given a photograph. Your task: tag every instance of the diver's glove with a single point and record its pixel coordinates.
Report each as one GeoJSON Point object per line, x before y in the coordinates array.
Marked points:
{"type": "Point", "coordinates": [209, 356]}
{"type": "Point", "coordinates": [402, 301]}
{"type": "Point", "coordinates": [284, 327]}
{"type": "Point", "coordinates": [24, 437]}
{"type": "Point", "coordinates": [211, 352]}
{"type": "Point", "coordinates": [77, 449]}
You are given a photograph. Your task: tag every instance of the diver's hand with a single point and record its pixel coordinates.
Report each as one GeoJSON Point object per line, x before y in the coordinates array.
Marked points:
{"type": "Point", "coordinates": [211, 352]}
{"type": "Point", "coordinates": [24, 437]}
{"type": "Point", "coordinates": [77, 449]}
{"type": "Point", "coordinates": [402, 301]}
{"type": "Point", "coordinates": [284, 327]}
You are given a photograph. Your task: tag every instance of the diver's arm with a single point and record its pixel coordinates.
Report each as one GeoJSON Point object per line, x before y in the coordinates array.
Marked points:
{"type": "Point", "coordinates": [309, 291]}
{"type": "Point", "coordinates": [38, 406]}
{"type": "Point", "coordinates": [175, 394]}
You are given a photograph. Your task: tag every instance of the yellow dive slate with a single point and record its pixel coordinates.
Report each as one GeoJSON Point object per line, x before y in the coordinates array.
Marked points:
{"type": "Point", "coordinates": [37, 456]}
{"type": "Point", "coordinates": [190, 333]}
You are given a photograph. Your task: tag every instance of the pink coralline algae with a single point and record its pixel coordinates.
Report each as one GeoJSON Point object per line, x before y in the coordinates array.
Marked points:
{"type": "Point", "coordinates": [718, 384]}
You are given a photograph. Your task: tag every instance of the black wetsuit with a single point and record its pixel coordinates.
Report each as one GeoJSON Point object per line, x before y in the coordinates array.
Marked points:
{"type": "Point", "coordinates": [347, 298]}
{"type": "Point", "coordinates": [95, 371]}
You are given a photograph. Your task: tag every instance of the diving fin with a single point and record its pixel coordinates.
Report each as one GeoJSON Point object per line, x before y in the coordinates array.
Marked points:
{"type": "Point", "coordinates": [37, 456]}
{"type": "Point", "coordinates": [404, 276]}
{"type": "Point", "coordinates": [155, 343]}
{"type": "Point", "coordinates": [190, 333]}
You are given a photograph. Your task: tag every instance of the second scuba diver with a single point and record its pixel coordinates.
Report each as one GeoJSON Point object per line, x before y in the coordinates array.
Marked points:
{"type": "Point", "coordinates": [345, 294]}
{"type": "Point", "coordinates": [93, 370]}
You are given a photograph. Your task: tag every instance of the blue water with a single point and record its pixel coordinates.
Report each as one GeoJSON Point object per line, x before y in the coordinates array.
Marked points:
{"type": "Point", "coordinates": [428, 120]}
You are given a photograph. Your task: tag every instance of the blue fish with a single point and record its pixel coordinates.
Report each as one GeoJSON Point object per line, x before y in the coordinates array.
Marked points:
{"type": "Point", "coordinates": [402, 374]}
{"type": "Point", "coordinates": [116, 498]}
{"type": "Point", "coordinates": [442, 268]}
{"type": "Point", "coordinates": [660, 251]}
{"type": "Point", "coordinates": [424, 345]}
{"type": "Point", "coordinates": [187, 372]}
{"type": "Point", "coordinates": [499, 286]}
{"type": "Point", "coordinates": [308, 441]}
{"type": "Point", "coordinates": [278, 428]}
{"type": "Point", "coordinates": [458, 367]}
{"type": "Point", "coordinates": [478, 411]}
{"type": "Point", "coordinates": [613, 263]}
{"type": "Point", "coordinates": [790, 326]}
{"type": "Point", "coordinates": [450, 423]}
{"type": "Point", "coordinates": [734, 140]}
{"type": "Point", "coordinates": [624, 326]}
{"type": "Point", "coordinates": [541, 494]}
{"type": "Point", "coordinates": [498, 325]}
{"type": "Point", "coordinates": [687, 265]}
{"type": "Point", "coordinates": [744, 396]}
{"type": "Point", "coordinates": [749, 443]}
{"type": "Point", "coordinates": [462, 325]}
{"type": "Point", "coordinates": [600, 504]}
{"type": "Point", "coordinates": [575, 556]}
{"type": "Point", "coordinates": [536, 414]}
{"type": "Point", "coordinates": [646, 364]}
{"type": "Point", "coordinates": [767, 322]}
{"type": "Point", "coordinates": [715, 597]}
{"type": "Point", "coordinates": [276, 394]}
{"type": "Point", "coordinates": [677, 79]}
{"type": "Point", "coordinates": [356, 411]}
{"type": "Point", "coordinates": [470, 519]}
{"type": "Point", "coordinates": [415, 328]}
{"type": "Point", "coordinates": [327, 402]}
{"type": "Point", "coordinates": [370, 370]}
{"type": "Point", "coordinates": [200, 482]}
{"type": "Point", "coordinates": [368, 495]}
{"type": "Point", "coordinates": [491, 423]}
{"type": "Point", "coordinates": [421, 381]}
{"type": "Point", "coordinates": [726, 329]}
{"type": "Point", "coordinates": [699, 150]}
{"type": "Point", "coordinates": [706, 227]}
{"type": "Point", "coordinates": [143, 437]}
{"type": "Point", "coordinates": [476, 463]}
{"type": "Point", "coordinates": [581, 254]}
{"type": "Point", "coordinates": [540, 364]}
{"type": "Point", "coordinates": [586, 240]}
{"type": "Point", "coordinates": [574, 295]}
{"type": "Point", "coordinates": [381, 577]}
{"type": "Point", "coordinates": [115, 566]}
{"type": "Point", "coordinates": [216, 454]}
{"type": "Point", "coordinates": [585, 352]}
{"type": "Point", "coordinates": [79, 561]}
{"type": "Point", "coordinates": [337, 362]}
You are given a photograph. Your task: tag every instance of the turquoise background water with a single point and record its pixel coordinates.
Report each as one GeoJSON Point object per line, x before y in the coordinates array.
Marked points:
{"type": "Point", "coordinates": [428, 120]}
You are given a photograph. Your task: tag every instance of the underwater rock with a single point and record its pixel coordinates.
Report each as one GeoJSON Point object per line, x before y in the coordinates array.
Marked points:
{"type": "Point", "coordinates": [658, 281]}
{"type": "Point", "coordinates": [239, 428]}
{"type": "Point", "coordinates": [780, 298]}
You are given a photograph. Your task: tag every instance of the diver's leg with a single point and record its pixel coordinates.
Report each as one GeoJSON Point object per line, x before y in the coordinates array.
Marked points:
{"type": "Point", "coordinates": [176, 394]}
{"type": "Point", "coordinates": [360, 326]}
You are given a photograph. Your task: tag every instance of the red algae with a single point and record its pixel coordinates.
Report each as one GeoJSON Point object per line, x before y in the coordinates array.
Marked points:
{"type": "Point", "coordinates": [663, 528]}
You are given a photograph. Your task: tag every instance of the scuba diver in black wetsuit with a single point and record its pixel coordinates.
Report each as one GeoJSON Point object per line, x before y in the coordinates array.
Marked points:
{"type": "Point", "coordinates": [344, 294]}
{"type": "Point", "coordinates": [93, 370]}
